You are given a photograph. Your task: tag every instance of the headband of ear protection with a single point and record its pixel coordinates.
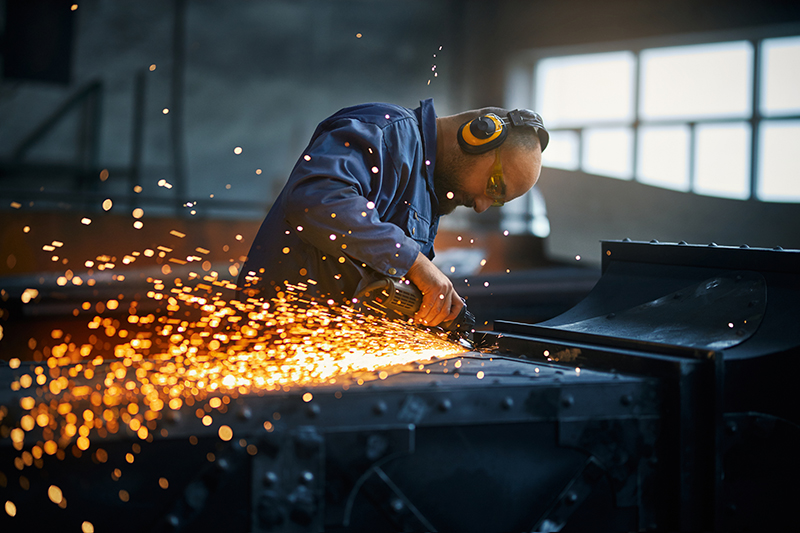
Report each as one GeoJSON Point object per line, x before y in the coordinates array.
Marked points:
{"type": "Point", "coordinates": [487, 132]}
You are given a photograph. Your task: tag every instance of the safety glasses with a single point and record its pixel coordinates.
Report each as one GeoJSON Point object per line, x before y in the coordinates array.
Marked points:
{"type": "Point", "coordinates": [496, 187]}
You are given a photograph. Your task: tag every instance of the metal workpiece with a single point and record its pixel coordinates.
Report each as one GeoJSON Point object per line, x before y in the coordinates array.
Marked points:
{"type": "Point", "coordinates": [507, 391]}
{"type": "Point", "coordinates": [639, 409]}
{"type": "Point", "coordinates": [396, 452]}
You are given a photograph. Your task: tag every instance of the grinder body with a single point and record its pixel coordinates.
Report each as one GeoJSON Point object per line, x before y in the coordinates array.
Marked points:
{"type": "Point", "coordinates": [405, 298]}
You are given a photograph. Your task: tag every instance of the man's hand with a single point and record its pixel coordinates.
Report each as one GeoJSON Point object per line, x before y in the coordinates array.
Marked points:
{"type": "Point", "coordinates": [440, 301]}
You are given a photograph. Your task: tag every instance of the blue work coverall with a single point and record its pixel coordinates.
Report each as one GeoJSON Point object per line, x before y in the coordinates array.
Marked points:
{"type": "Point", "coordinates": [359, 204]}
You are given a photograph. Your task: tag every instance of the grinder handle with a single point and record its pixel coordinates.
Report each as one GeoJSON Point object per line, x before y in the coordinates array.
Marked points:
{"type": "Point", "coordinates": [406, 298]}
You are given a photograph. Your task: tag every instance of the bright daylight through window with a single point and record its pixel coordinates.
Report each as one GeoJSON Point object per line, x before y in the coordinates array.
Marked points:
{"type": "Point", "coordinates": [679, 117]}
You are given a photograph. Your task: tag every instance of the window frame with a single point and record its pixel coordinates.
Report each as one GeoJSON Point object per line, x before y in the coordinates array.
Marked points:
{"type": "Point", "coordinates": [521, 92]}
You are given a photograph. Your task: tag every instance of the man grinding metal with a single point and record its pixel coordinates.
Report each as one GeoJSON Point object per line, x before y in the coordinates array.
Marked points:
{"type": "Point", "coordinates": [364, 199]}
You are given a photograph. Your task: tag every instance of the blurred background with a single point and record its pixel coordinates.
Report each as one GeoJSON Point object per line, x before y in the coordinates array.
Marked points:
{"type": "Point", "coordinates": [129, 126]}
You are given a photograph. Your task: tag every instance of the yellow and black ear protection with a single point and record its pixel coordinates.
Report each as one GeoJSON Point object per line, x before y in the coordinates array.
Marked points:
{"type": "Point", "coordinates": [487, 132]}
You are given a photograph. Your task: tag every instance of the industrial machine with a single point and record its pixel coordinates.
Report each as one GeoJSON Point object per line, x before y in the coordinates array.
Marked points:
{"type": "Point", "coordinates": [664, 401]}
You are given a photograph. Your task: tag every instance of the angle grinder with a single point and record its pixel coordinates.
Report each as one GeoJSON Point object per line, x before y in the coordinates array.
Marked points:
{"type": "Point", "coordinates": [404, 298]}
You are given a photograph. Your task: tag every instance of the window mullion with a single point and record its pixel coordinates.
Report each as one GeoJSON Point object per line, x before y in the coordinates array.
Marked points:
{"type": "Point", "coordinates": [637, 89]}
{"type": "Point", "coordinates": [755, 118]}
{"type": "Point", "coordinates": [692, 155]}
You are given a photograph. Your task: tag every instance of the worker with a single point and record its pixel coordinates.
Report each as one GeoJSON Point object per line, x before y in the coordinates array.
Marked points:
{"type": "Point", "coordinates": [365, 197]}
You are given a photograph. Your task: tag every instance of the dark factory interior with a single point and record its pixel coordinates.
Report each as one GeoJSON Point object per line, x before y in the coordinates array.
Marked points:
{"type": "Point", "coordinates": [635, 342]}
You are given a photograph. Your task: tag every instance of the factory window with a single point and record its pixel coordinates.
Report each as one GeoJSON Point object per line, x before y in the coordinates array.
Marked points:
{"type": "Point", "coordinates": [608, 152]}
{"type": "Point", "coordinates": [586, 89]}
{"type": "Point", "coordinates": [779, 167]}
{"type": "Point", "coordinates": [562, 151]}
{"type": "Point", "coordinates": [714, 118]}
{"type": "Point", "coordinates": [780, 75]}
{"type": "Point", "coordinates": [663, 156]}
{"type": "Point", "coordinates": [722, 160]}
{"type": "Point", "coordinates": [696, 82]}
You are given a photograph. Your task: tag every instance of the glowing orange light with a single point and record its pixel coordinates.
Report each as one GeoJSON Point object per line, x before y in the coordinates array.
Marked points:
{"type": "Point", "coordinates": [317, 344]}
{"type": "Point", "coordinates": [225, 433]}
{"type": "Point", "coordinates": [55, 495]}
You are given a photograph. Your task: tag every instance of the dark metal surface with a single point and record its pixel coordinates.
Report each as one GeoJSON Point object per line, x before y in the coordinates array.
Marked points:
{"type": "Point", "coordinates": [562, 426]}
{"type": "Point", "coordinates": [717, 313]}
{"type": "Point", "coordinates": [418, 451]}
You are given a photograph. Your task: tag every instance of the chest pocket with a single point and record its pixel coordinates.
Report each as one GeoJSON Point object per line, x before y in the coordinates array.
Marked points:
{"type": "Point", "coordinates": [417, 226]}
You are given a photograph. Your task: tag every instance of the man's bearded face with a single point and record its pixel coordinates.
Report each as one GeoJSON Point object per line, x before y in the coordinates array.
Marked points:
{"type": "Point", "coordinates": [447, 183]}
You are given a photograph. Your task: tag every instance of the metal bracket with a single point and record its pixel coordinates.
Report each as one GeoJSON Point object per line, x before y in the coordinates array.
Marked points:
{"type": "Point", "coordinates": [573, 495]}
{"type": "Point", "coordinates": [288, 482]}
{"type": "Point", "coordinates": [395, 505]}
{"type": "Point", "coordinates": [380, 448]}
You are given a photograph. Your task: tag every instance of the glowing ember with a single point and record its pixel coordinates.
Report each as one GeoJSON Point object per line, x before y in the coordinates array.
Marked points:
{"type": "Point", "coordinates": [55, 494]}
{"type": "Point", "coordinates": [185, 343]}
{"type": "Point", "coordinates": [225, 433]}
{"type": "Point", "coordinates": [232, 347]}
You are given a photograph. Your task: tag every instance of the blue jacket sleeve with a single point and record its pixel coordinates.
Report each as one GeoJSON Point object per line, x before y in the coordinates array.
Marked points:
{"type": "Point", "coordinates": [335, 196]}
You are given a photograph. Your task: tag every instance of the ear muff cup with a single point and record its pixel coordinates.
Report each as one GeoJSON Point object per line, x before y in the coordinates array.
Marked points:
{"type": "Point", "coordinates": [482, 134]}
